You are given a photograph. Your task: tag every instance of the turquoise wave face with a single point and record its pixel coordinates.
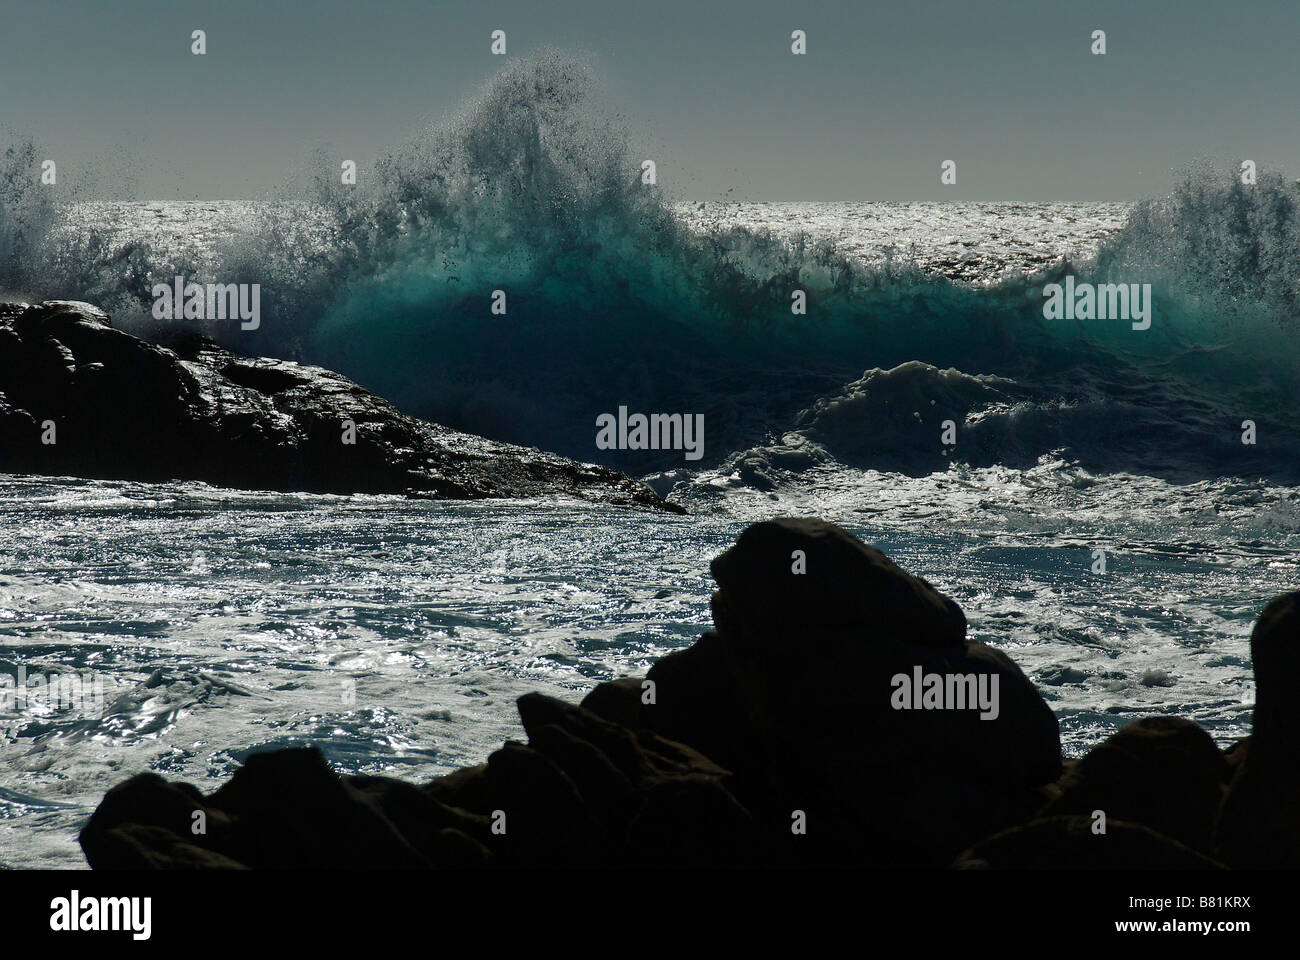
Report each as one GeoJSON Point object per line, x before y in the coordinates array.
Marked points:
{"type": "Point", "coordinates": [1170, 399]}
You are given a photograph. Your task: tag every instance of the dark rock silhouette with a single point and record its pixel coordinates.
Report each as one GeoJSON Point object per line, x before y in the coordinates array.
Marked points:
{"type": "Point", "coordinates": [793, 693]}
{"type": "Point", "coordinates": [281, 809]}
{"type": "Point", "coordinates": [125, 409]}
{"type": "Point", "coordinates": [777, 740]}
{"type": "Point", "coordinates": [583, 792]}
{"type": "Point", "coordinates": [1259, 826]}
{"type": "Point", "coordinates": [1068, 843]}
{"type": "Point", "coordinates": [1164, 773]}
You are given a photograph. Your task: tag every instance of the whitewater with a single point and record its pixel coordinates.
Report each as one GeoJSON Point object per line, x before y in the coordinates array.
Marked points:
{"type": "Point", "coordinates": [395, 635]}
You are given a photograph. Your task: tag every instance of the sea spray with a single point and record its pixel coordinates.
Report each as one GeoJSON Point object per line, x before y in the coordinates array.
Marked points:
{"type": "Point", "coordinates": [534, 192]}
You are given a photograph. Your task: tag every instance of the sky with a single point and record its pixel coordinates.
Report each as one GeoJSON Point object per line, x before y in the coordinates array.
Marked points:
{"type": "Point", "coordinates": [1009, 90]}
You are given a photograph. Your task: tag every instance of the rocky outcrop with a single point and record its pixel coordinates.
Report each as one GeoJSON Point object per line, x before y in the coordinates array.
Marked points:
{"type": "Point", "coordinates": [1164, 773]}
{"type": "Point", "coordinates": [1259, 827]}
{"type": "Point", "coordinates": [80, 398]}
{"type": "Point", "coordinates": [781, 738]}
{"type": "Point", "coordinates": [1070, 842]}
{"type": "Point", "coordinates": [582, 793]}
{"type": "Point", "coordinates": [796, 693]}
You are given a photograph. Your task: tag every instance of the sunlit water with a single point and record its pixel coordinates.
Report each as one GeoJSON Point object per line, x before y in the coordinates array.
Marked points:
{"type": "Point", "coordinates": [396, 635]}
{"type": "Point", "coordinates": [267, 614]}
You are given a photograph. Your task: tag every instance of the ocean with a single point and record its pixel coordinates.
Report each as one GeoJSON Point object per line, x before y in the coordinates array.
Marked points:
{"type": "Point", "coordinates": [1097, 514]}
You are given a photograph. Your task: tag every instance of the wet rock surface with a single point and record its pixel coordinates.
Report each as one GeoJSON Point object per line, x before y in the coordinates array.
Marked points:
{"type": "Point", "coordinates": [80, 398]}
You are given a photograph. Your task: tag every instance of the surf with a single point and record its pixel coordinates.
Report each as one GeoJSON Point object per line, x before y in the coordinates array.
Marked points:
{"type": "Point", "coordinates": [534, 191]}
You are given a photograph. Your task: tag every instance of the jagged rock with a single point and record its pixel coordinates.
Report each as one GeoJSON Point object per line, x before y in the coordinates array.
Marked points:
{"type": "Point", "coordinates": [1068, 843]}
{"type": "Point", "coordinates": [1259, 824]}
{"type": "Point", "coordinates": [131, 846]}
{"type": "Point", "coordinates": [776, 741]}
{"type": "Point", "coordinates": [126, 409]}
{"type": "Point", "coordinates": [588, 792]}
{"type": "Point", "coordinates": [282, 809]}
{"type": "Point", "coordinates": [618, 701]}
{"type": "Point", "coordinates": [847, 584]}
{"type": "Point", "coordinates": [793, 694]}
{"type": "Point", "coordinates": [1162, 772]}
{"type": "Point", "coordinates": [582, 792]}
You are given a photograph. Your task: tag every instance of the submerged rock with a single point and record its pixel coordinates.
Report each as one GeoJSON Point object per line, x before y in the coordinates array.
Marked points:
{"type": "Point", "coordinates": [117, 407]}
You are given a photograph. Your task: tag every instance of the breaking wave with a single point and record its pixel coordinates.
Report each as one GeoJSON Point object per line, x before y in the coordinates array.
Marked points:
{"type": "Point", "coordinates": [612, 301]}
